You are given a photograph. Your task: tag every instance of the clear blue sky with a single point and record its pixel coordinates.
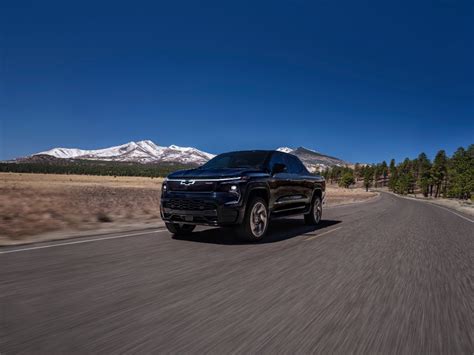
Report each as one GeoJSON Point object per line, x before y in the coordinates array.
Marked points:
{"type": "Point", "coordinates": [361, 80]}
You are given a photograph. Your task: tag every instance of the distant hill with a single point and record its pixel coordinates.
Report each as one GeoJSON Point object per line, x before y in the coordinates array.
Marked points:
{"type": "Point", "coordinates": [313, 160]}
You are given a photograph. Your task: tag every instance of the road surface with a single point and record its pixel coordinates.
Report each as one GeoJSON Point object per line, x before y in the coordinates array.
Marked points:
{"type": "Point", "coordinates": [391, 276]}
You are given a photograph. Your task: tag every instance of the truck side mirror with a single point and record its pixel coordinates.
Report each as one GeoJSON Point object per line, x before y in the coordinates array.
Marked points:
{"type": "Point", "coordinates": [278, 168]}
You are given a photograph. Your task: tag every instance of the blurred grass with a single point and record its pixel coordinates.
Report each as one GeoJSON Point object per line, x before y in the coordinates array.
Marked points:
{"type": "Point", "coordinates": [36, 203]}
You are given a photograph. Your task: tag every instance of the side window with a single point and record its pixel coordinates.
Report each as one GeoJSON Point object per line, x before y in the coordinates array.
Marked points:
{"type": "Point", "coordinates": [295, 166]}
{"type": "Point", "coordinates": [290, 164]}
{"type": "Point", "coordinates": [277, 158]}
{"type": "Point", "coordinates": [301, 168]}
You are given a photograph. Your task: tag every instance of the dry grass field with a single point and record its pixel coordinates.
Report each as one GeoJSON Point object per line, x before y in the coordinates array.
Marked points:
{"type": "Point", "coordinates": [336, 195]}
{"type": "Point", "coordinates": [35, 204]}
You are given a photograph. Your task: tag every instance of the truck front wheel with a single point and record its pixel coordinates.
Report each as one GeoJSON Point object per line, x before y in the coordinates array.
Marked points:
{"type": "Point", "coordinates": [255, 223]}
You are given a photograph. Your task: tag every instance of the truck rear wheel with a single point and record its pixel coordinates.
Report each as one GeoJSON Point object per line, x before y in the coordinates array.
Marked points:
{"type": "Point", "coordinates": [314, 216]}
{"type": "Point", "coordinates": [180, 229]}
{"type": "Point", "coordinates": [255, 223]}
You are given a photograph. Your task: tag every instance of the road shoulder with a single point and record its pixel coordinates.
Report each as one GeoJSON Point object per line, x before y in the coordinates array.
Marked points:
{"type": "Point", "coordinates": [456, 211]}
{"type": "Point", "coordinates": [62, 235]}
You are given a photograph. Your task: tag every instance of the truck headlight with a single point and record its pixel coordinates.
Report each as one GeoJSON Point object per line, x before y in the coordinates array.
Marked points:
{"type": "Point", "coordinates": [232, 188]}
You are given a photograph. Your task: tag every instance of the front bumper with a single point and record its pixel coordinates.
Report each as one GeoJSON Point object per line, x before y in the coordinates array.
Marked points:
{"type": "Point", "coordinates": [212, 208]}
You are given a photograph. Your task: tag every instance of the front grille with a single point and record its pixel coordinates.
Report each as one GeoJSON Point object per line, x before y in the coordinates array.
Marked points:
{"type": "Point", "coordinates": [190, 204]}
{"type": "Point", "coordinates": [196, 186]}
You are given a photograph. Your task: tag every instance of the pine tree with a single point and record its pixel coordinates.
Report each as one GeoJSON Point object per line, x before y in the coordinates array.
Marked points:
{"type": "Point", "coordinates": [393, 179]}
{"type": "Point", "coordinates": [461, 174]}
{"type": "Point", "coordinates": [384, 171]}
{"type": "Point", "coordinates": [438, 171]}
{"type": "Point", "coordinates": [423, 176]}
{"type": "Point", "coordinates": [368, 174]}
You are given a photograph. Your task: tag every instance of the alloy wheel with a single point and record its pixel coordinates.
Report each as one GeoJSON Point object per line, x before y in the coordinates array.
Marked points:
{"type": "Point", "coordinates": [258, 219]}
{"type": "Point", "coordinates": [317, 210]}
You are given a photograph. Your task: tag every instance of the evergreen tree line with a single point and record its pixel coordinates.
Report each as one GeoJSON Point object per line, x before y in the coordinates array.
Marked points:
{"type": "Point", "coordinates": [342, 175]}
{"type": "Point", "coordinates": [443, 177]}
{"type": "Point", "coordinates": [93, 168]}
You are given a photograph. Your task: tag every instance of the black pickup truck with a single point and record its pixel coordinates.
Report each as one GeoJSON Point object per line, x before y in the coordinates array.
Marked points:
{"type": "Point", "coordinates": [242, 189]}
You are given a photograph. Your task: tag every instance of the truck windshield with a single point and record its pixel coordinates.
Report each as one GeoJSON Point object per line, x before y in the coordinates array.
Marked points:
{"type": "Point", "coordinates": [253, 160]}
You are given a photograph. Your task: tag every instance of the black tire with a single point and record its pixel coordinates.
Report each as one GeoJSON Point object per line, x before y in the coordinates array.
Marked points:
{"type": "Point", "coordinates": [248, 230]}
{"type": "Point", "coordinates": [313, 218]}
{"type": "Point", "coordinates": [180, 229]}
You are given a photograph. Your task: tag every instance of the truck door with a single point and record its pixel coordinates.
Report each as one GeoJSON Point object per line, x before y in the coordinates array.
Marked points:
{"type": "Point", "coordinates": [300, 191]}
{"type": "Point", "coordinates": [279, 183]}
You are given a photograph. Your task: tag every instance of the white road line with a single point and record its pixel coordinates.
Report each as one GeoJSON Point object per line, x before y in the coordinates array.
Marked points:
{"type": "Point", "coordinates": [320, 235]}
{"type": "Point", "coordinates": [436, 205]}
{"type": "Point", "coordinates": [447, 209]}
{"type": "Point", "coordinates": [79, 242]}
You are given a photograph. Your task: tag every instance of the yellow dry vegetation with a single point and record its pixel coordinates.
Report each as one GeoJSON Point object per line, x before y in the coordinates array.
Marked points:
{"type": "Point", "coordinates": [37, 203]}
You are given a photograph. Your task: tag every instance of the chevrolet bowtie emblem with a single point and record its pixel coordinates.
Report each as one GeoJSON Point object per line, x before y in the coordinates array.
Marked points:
{"type": "Point", "coordinates": [187, 182]}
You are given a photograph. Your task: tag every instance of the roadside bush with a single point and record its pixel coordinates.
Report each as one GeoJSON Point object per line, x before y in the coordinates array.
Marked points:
{"type": "Point", "coordinates": [103, 217]}
{"type": "Point", "coordinates": [347, 179]}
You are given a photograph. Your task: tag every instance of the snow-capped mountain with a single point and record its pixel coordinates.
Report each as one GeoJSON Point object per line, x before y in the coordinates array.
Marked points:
{"type": "Point", "coordinates": [313, 160]}
{"type": "Point", "coordinates": [148, 152]}
{"type": "Point", "coordinates": [285, 149]}
{"type": "Point", "coordinates": [141, 152]}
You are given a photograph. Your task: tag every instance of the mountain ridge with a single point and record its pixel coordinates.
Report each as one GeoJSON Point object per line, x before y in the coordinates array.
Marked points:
{"type": "Point", "coordinates": [314, 160]}
{"type": "Point", "coordinates": [146, 151]}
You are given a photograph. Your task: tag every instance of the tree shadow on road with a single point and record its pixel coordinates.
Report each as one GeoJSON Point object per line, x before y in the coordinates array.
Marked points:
{"type": "Point", "coordinates": [279, 230]}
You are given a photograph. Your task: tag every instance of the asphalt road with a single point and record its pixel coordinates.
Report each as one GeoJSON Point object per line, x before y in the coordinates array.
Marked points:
{"type": "Point", "coordinates": [391, 276]}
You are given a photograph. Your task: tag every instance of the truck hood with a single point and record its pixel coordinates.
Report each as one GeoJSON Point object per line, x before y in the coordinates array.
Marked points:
{"type": "Point", "coordinates": [212, 173]}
